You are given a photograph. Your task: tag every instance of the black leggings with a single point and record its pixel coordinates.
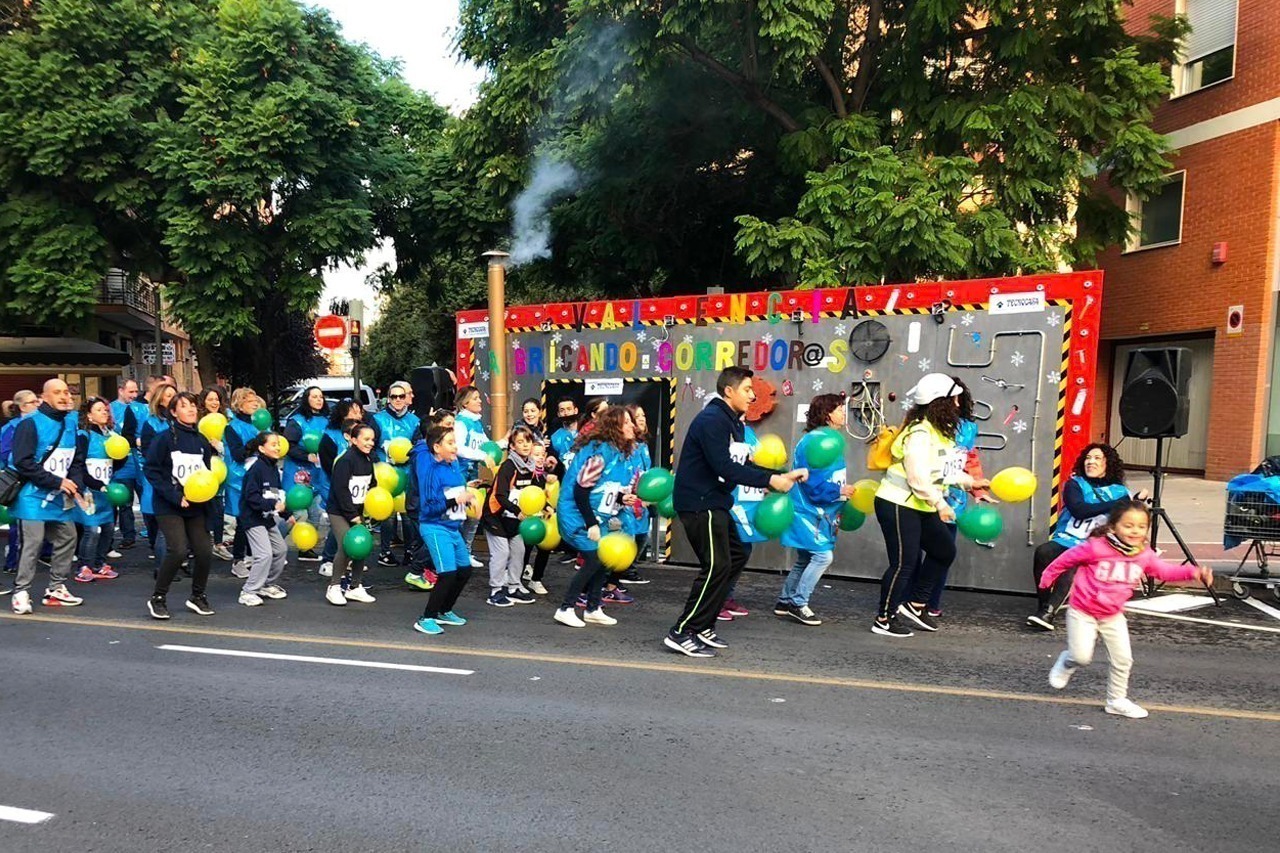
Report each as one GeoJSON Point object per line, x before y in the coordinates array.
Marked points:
{"type": "Point", "coordinates": [183, 534]}
{"type": "Point", "coordinates": [591, 578]}
{"type": "Point", "coordinates": [539, 563]}
{"type": "Point", "coordinates": [444, 595]}
{"type": "Point", "coordinates": [907, 532]}
{"type": "Point", "coordinates": [1051, 599]}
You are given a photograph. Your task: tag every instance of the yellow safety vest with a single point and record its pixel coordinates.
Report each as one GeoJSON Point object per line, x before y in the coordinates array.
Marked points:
{"type": "Point", "coordinates": [942, 465]}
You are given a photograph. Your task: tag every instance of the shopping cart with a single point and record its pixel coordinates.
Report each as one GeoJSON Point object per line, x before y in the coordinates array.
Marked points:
{"type": "Point", "coordinates": [1253, 516]}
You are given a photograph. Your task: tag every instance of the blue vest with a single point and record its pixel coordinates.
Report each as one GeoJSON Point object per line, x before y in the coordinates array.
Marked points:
{"type": "Point", "coordinates": [606, 495]}
{"type": "Point", "coordinates": [562, 444]}
{"type": "Point", "coordinates": [99, 466]}
{"type": "Point", "coordinates": [475, 438]}
{"type": "Point", "coordinates": [746, 499]}
{"type": "Point", "coordinates": [319, 480]}
{"type": "Point", "coordinates": [966, 438]}
{"type": "Point", "coordinates": [32, 503]}
{"type": "Point", "coordinates": [128, 472]}
{"type": "Point", "coordinates": [640, 462]}
{"type": "Point", "coordinates": [146, 492]}
{"type": "Point", "coordinates": [405, 426]}
{"type": "Point", "coordinates": [1070, 532]}
{"type": "Point", "coordinates": [246, 432]}
{"type": "Point", "coordinates": [816, 524]}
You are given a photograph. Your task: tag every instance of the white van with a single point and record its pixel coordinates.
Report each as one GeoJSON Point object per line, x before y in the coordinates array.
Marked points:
{"type": "Point", "coordinates": [335, 388]}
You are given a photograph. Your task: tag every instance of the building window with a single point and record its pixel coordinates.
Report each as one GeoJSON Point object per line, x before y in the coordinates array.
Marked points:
{"type": "Point", "coordinates": [1158, 220]}
{"type": "Point", "coordinates": [1208, 54]}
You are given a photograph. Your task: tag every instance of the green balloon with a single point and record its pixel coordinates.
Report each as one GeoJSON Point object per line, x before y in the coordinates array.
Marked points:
{"type": "Point", "coordinates": [358, 543]}
{"type": "Point", "coordinates": [823, 447]}
{"type": "Point", "coordinates": [774, 515]}
{"type": "Point", "coordinates": [667, 507]}
{"type": "Point", "coordinates": [655, 485]}
{"type": "Point", "coordinates": [311, 442]}
{"type": "Point", "coordinates": [493, 450]}
{"type": "Point", "coordinates": [851, 518]}
{"type": "Point", "coordinates": [4, 514]}
{"type": "Point", "coordinates": [533, 530]}
{"type": "Point", "coordinates": [298, 498]}
{"type": "Point", "coordinates": [980, 523]}
{"type": "Point", "coordinates": [261, 419]}
{"type": "Point", "coordinates": [118, 495]}
{"type": "Point", "coordinates": [402, 483]}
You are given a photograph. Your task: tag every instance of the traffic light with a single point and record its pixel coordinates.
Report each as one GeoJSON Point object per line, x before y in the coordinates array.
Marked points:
{"type": "Point", "coordinates": [354, 336]}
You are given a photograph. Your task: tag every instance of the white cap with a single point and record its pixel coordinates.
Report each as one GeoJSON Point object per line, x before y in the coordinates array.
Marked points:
{"type": "Point", "coordinates": [932, 386]}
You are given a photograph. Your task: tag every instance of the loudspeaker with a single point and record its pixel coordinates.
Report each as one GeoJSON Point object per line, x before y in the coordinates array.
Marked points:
{"type": "Point", "coordinates": [1155, 402]}
{"type": "Point", "coordinates": [433, 388]}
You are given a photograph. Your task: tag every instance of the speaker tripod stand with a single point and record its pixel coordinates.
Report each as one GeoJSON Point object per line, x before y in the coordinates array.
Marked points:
{"type": "Point", "coordinates": [1158, 514]}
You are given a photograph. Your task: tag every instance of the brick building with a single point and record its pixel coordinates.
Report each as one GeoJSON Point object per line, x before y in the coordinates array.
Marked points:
{"type": "Point", "coordinates": [1209, 243]}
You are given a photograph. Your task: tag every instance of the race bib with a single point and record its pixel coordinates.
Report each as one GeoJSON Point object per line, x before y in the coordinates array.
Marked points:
{"type": "Point", "coordinates": [840, 477]}
{"type": "Point", "coordinates": [611, 499]}
{"type": "Point", "coordinates": [750, 494]}
{"type": "Point", "coordinates": [186, 464]}
{"type": "Point", "coordinates": [358, 487]}
{"type": "Point", "coordinates": [99, 469]}
{"type": "Point", "coordinates": [59, 461]}
{"type": "Point", "coordinates": [1080, 528]}
{"type": "Point", "coordinates": [455, 512]}
{"type": "Point", "coordinates": [739, 451]}
{"type": "Point", "coordinates": [953, 465]}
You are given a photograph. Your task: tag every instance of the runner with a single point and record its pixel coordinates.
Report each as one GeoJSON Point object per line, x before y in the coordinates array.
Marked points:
{"type": "Point", "coordinates": [443, 499]}
{"type": "Point", "coordinates": [352, 478]}
{"type": "Point", "coordinates": [94, 512]}
{"type": "Point", "coordinates": [261, 511]}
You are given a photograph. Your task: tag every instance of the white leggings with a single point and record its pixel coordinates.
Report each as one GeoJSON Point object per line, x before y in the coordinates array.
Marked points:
{"type": "Point", "coordinates": [1082, 636]}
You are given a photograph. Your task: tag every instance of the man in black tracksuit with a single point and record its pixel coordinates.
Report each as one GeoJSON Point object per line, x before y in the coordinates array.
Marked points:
{"type": "Point", "coordinates": [706, 477]}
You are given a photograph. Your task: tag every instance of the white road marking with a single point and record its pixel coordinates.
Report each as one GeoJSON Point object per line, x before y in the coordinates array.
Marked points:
{"type": "Point", "coordinates": [236, 653]}
{"type": "Point", "coordinates": [1265, 608]}
{"type": "Point", "coordinates": [17, 815]}
{"type": "Point", "coordinates": [1198, 621]}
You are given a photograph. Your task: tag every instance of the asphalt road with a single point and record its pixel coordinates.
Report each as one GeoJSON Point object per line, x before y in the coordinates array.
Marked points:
{"type": "Point", "coordinates": [796, 738]}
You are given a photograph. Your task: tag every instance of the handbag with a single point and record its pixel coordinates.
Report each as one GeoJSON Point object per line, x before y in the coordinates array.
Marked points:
{"type": "Point", "coordinates": [11, 481]}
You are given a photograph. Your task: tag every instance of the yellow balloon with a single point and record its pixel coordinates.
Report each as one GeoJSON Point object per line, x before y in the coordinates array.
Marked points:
{"type": "Point", "coordinates": [552, 539]}
{"type": "Point", "coordinates": [387, 476]}
{"type": "Point", "coordinates": [533, 500]}
{"type": "Point", "coordinates": [1013, 485]}
{"type": "Point", "coordinates": [617, 551]}
{"type": "Point", "coordinates": [284, 447]}
{"type": "Point", "coordinates": [378, 504]}
{"type": "Point", "coordinates": [219, 469]}
{"type": "Point", "coordinates": [398, 450]}
{"type": "Point", "coordinates": [117, 446]}
{"type": "Point", "coordinates": [771, 453]}
{"type": "Point", "coordinates": [213, 425]}
{"type": "Point", "coordinates": [304, 536]}
{"type": "Point", "coordinates": [476, 507]}
{"type": "Point", "coordinates": [399, 499]}
{"type": "Point", "coordinates": [864, 496]}
{"type": "Point", "coordinates": [553, 494]}
{"type": "Point", "coordinates": [200, 487]}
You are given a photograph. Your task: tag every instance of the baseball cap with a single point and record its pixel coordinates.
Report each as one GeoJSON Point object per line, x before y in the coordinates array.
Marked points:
{"type": "Point", "coordinates": [932, 386]}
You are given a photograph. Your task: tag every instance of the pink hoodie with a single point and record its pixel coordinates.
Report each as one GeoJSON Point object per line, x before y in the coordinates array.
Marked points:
{"type": "Point", "coordinates": [1106, 579]}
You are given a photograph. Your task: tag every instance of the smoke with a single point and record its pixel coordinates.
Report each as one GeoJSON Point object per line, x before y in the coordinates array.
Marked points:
{"type": "Point", "coordinates": [592, 70]}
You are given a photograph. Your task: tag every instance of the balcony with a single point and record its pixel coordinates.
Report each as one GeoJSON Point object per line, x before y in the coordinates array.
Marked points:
{"type": "Point", "coordinates": [126, 301]}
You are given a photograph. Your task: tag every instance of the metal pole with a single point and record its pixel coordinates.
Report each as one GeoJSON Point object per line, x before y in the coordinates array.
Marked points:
{"type": "Point", "coordinates": [158, 367]}
{"type": "Point", "coordinates": [355, 312]}
{"type": "Point", "coordinates": [497, 275]}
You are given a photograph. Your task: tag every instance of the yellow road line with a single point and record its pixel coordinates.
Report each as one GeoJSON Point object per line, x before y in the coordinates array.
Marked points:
{"type": "Point", "coordinates": [676, 668]}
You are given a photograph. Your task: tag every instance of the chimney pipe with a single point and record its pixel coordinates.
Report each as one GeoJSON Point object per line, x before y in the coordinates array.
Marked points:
{"type": "Point", "coordinates": [498, 405]}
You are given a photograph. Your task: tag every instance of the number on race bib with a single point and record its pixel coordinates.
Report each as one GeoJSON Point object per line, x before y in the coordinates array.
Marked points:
{"type": "Point", "coordinates": [186, 464]}
{"type": "Point", "coordinates": [100, 469]}
{"type": "Point", "coordinates": [611, 499]}
{"type": "Point", "coordinates": [59, 461]}
{"type": "Point", "coordinates": [358, 487]}
{"type": "Point", "coordinates": [456, 511]}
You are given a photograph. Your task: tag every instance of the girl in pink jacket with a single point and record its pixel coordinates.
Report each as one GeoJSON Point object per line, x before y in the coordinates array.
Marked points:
{"type": "Point", "coordinates": [1109, 566]}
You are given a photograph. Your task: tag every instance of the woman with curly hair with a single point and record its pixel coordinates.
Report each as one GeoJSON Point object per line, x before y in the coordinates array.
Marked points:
{"type": "Point", "coordinates": [1096, 487]}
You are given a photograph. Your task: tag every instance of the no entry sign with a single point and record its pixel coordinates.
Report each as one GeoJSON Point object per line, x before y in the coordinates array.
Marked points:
{"type": "Point", "coordinates": [331, 331]}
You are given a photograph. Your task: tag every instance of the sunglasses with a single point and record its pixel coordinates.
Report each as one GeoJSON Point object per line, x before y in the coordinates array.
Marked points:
{"type": "Point", "coordinates": [396, 396]}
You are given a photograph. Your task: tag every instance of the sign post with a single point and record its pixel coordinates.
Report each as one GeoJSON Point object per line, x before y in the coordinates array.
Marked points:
{"type": "Point", "coordinates": [356, 316]}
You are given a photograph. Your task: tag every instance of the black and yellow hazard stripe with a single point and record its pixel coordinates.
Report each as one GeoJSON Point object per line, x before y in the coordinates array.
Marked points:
{"type": "Point", "coordinates": [1060, 421]}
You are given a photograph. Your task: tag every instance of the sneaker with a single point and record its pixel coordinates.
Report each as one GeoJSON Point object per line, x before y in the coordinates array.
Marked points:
{"type": "Point", "coordinates": [803, 615]}
{"type": "Point", "coordinates": [417, 581]}
{"type": "Point", "coordinates": [1042, 620]}
{"type": "Point", "coordinates": [567, 560]}
{"type": "Point", "coordinates": [735, 608]}
{"type": "Point", "coordinates": [781, 608]}
{"type": "Point", "coordinates": [687, 644]}
{"type": "Point", "coordinates": [113, 554]}
{"type": "Point", "coordinates": [359, 594]}
{"type": "Point", "coordinates": [240, 569]}
{"type": "Point", "coordinates": [309, 556]}
{"type": "Point", "coordinates": [569, 616]}
{"type": "Point", "coordinates": [220, 552]}
{"type": "Point", "coordinates": [527, 574]}
{"type": "Point", "coordinates": [249, 599]}
{"type": "Point", "coordinates": [273, 591]}
{"type": "Point", "coordinates": [537, 588]}
{"type": "Point", "coordinates": [476, 564]}
{"type": "Point", "coordinates": [334, 596]}
{"type": "Point", "coordinates": [450, 618]}
{"type": "Point", "coordinates": [499, 599]}
{"type": "Point", "coordinates": [106, 573]}
{"type": "Point", "coordinates": [199, 604]}
{"type": "Point", "coordinates": [724, 615]}
{"type": "Point", "coordinates": [890, 628]}
{"type": "Point", "coordinates": [922, 619]}
{"type": "Point", "coordinates": [633, 577]}
{"type": "Point", "coordinates": [85, 575]}
{"type": "Point", "coordinates": [325, 570]}
{"type": "Point", "coordinates": [520, 596]}
{"type": "Point", "coordinates": [21, 603]}
{"type": "Point", "coordinates": [712, 639]}
{"type": "Point", "coordinates": [1061, 672]}
{"type": "Point", "coordinates": [386, 558]}
{"type": "Point", "coordinates": [125, 546]}
{"type": "Point", "coordinates": [617, 596]}
{"type": "Point", "coordinates": [1125, 708]}
{"type": "Point", "coordinates": [427, 626]}
{"type": "Point", "coordinates": [598, 617]}
{"type": "Point", "coordinates": [58, 596]}
{"type": "Point", "coordinates": [157, 608]}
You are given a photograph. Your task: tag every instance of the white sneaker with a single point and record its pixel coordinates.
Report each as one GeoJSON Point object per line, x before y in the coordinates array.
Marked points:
{"type": "Point", "coordinates": [113, 554]}
{"type": "Point", "coordinates": [249, 599]}
{"type": "Point", "coordinates": [537, 588]}
{"type": "Point", "coordinates": [476, 564]}
{"type": "Point", "coordinates": [568, 616]}
{"type": "Point", "coordinates": [240, 569]}
{"type": "Point", "coordinates": [273, 591]}
{"type": "Point", "coordinates": [599, 617]}
{"type": "Point", "coordinates": [1126, 708]}
{"type": "Point", "coordinates": [220, 552]}
{"type": "Point", "coordinates": [325, 570]}
{"type": "Point", "coordinates": [1061, 673]}
{"type": "Point", "coordinates": [359, 594]}
{"type": "Point", "coordinates": [21, 602]}
{"type": "Point", "coordinates": [527, 574]}
{"type": "Point", "coordinates": [59, 596]}
{"type": "Point", "coordinates": [333, 595]}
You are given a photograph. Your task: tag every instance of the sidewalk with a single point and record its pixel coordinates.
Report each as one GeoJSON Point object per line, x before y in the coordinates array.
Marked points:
{"type": "Point", "coordinates": [1197, 507]}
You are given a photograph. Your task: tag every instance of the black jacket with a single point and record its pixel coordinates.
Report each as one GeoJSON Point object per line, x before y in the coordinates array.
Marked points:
{"type": "Point", "coordinates": [167, 494]}
{"type": "Point", "coordinates": [706, 475]}
{"type": "Point", "coordinates": [261, 493]}
{"type": "Point", "coordinates": [351, 465]}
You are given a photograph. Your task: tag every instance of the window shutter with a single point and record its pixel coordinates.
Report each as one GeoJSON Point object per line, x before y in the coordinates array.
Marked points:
{"type": "Point", "coordinates": [1213, 27]}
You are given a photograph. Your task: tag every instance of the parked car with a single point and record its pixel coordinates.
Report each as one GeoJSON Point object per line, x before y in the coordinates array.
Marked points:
{"type": "Point", "coordinates": [335, 388]}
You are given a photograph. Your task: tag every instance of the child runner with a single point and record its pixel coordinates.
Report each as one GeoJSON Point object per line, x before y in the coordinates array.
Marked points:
{"type": "Point", "coordinates": [240, 431]}
{"type": "Point", "coordinates": [261, 510]}
{"type": "Point", "coordinates": [637, 520]}
{"type": "Point", "coordinates": [746, 500]}
{"type": "Point", "coordinates": [422, 574]}
{"type": "Point", "coordinates": [501, 522]}
{"type": "Point", "coordinates": [97, 517]}
{"type": "Point", "coordinates": [442, 507]}
{"type": "Point", "coordinates": [352, 476]}
{"type": "Point", "coordinates": [333, 443]}
{"type": "Point", "coordinates": [1108, 565]}
{"type": "Point", "coordinates": [536, 560]}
